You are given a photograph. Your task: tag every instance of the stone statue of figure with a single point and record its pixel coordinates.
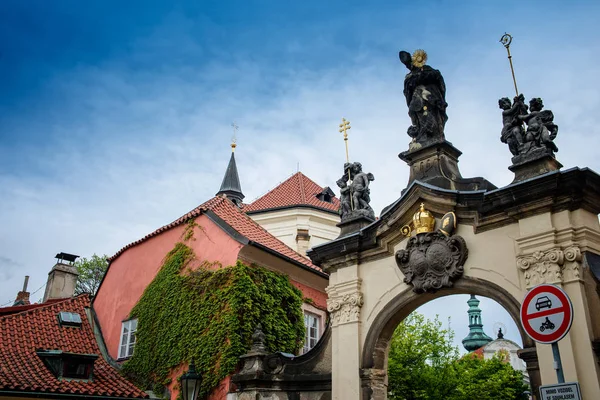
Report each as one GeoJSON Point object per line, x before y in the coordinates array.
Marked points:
{"type": "Point", "coordinates": [425, 93]}
{"type": "Point", "coordinates": [541, 129]}
{"type": "Point", "coordinates": [342, 183]}
{"type": "Point", "coordinates": [512, 129]}
{"type": "Point", "coordinates": [355, 198]}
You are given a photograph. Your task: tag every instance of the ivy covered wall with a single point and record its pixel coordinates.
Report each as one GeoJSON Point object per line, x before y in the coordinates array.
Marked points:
{"type": "Point", "coordinates": [209, 315]}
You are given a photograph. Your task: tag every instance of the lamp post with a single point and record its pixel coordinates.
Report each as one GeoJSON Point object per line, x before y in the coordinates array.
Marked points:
{"type": "Point", "coordinates": [190, 383]}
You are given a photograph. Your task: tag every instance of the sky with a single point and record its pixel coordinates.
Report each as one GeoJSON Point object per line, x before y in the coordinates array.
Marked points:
{"type": "Point", "coordinates": [115, 117]}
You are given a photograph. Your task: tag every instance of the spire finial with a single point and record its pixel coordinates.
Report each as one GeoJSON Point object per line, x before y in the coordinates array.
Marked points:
{"type": "Point", "coordinates": [234, 137]}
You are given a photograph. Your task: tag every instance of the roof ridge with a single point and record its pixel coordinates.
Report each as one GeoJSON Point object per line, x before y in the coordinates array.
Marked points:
{"type": "Point", "coordinates": [301, 183]}
{"type": "Point", "coordinates": [43, 306]}
{"type": "Point", "coordinates": [273, 188]}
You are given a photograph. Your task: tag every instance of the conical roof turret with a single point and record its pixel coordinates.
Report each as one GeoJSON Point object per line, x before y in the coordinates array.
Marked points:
{"type": "Point", "coordinates": [231, 187]}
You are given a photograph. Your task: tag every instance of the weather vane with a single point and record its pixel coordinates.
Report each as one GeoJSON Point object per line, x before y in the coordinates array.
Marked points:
{"type": "Point", "coordinates": [506, 40]}
{"type": "Point", "coordinates": [234, 138]}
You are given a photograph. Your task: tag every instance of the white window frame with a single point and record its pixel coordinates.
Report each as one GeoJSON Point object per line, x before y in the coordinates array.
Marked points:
{"type": "Point", "coordinates": [127, 338]}
{"type": "Point", "coordinates": [311, 341]}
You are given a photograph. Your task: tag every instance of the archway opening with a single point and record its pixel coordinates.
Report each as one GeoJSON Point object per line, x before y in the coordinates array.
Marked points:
{"type": "Point", "coordinates": [377, 343]}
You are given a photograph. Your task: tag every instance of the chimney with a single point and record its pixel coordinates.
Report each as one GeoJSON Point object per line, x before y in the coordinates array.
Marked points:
{"type": "Point", "coordinates": [23, 296]}
{"type": "Point", "coordinates": [62, 279]}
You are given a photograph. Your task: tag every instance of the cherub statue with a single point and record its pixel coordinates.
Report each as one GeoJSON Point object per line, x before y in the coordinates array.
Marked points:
{"type": "Point", "coordinates": [360, 187]}
{"type": "Point", "coordinates": [512, 129]}
{"type": "Point", "coordinates": [541, 130]}
{"type": "Point", "coordinates": [354, 192]}
{"type": "Point", "coordinates": [345, 206]}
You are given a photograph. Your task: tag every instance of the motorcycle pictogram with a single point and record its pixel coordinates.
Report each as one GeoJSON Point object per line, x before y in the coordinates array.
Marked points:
{"type": "Point", "coordinates": [547, 324]}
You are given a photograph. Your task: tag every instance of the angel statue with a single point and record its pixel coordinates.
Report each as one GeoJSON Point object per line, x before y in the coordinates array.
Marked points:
{"type": "Point", "coordinates": [355, 197]}
{"type": "Point", "coordinates": [425, 93]}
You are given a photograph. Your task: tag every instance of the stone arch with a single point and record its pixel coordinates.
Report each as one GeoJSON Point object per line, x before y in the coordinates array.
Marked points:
{"type": "Point", "coordinates": [376, 343]}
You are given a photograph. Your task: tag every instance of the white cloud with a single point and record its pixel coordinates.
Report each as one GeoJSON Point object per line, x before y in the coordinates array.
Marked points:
{"type": "Point", "coordinates": [131, 151]}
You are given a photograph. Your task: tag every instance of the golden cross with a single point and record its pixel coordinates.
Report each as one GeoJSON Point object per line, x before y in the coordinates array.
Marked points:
{"type": "Point", "coordinates": [234, 138]}
{"type": "Point", "coordinates": [344, 126]}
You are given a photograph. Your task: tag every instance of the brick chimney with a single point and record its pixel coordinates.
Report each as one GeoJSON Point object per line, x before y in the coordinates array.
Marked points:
{"type": "Point", "coordinates": [62, 279]}
{"type": "Point", "coordinates": [23, 296]}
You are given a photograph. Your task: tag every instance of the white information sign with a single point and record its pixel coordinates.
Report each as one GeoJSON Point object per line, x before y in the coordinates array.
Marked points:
{"type": "Point", "coordinates": [560, 391]}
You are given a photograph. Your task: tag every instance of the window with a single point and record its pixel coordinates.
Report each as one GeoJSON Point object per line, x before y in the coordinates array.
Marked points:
{"type": "Point", "coordinates": [66, 365]}
{"type": "Point", "coordinates": [127, 338]}
{"type": "Point", "coordinates": [311, 333]}
{"type": "Point", "coordinates": [69, 318]}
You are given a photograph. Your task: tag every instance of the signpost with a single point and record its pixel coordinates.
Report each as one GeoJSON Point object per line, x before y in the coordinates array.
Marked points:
{"type": "Point", "coordinates": [546, 317]}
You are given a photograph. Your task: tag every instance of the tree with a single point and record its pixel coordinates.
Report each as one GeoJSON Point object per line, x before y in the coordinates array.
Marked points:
{"type": "Point", "coordinates": [423, 364]}
{"type": "Point", "coordinates": [91, 271]}
{"type": "Point", "coordinates": [420, 361]}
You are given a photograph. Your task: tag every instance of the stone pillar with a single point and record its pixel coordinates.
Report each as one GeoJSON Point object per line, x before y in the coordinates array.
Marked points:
{"type": "Point", "coordinates": [529, 355]}
{"type": "Point", "coordinates": [344, 303]}
{"type": "Point", "coordinates": [550, 250]}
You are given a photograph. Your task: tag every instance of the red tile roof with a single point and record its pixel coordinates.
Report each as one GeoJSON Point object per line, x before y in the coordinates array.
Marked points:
{"type": "Point", "coordinates": [240, 222]}
{"type": "Point", "coordinates": [22, 370]}
{"type": "Point", "coordinates": [297, 190]}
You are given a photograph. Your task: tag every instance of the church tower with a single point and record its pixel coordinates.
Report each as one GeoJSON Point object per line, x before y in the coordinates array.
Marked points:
{"type": "Point", "coordinates": [230, 187]}
{"type": "Point", "coordinates": [476, 337]}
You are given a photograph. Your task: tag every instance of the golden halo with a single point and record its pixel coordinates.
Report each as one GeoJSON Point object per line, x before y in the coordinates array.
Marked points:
{"type": "Point", "coordinates": [419, 58]}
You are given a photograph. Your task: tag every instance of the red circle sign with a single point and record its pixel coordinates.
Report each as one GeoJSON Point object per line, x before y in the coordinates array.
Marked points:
{"type": "Point", "coordinates": [546, 313]}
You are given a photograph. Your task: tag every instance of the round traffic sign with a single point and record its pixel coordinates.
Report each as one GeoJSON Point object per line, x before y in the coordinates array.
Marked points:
{"type": "Point", "coordinates": [546, 313]}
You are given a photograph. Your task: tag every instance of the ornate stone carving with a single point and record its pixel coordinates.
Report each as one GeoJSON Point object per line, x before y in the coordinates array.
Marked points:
{"type": "Point", "coordinates": [538, 139]}
{"type": "Point", "coordinates": [425, 93]}
{"type": "Point", "coordinates": [551, 266]}
{"type": "Point", "coordinates": [345, 308]}
{"type": "Point", "coordinates": [432, 261]}
{"type": "Point", "coordinates": [355, 197]}
{"type": "Point", "coordinates": [572, 267]}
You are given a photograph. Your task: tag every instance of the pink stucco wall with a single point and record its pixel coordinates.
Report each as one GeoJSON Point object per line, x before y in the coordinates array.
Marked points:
{"type": "Point", "coordinates": [131, 272]}
{"type": "Point", "coordinates": [320, 298]}
{"type": "Point", "coordinates": [136, 267]}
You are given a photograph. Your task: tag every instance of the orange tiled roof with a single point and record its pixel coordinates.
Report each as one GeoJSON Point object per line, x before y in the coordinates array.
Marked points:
{"type": "Point", "coordinates": [297, 190]}
{"type": "Point", "coordinates": [37, 328]}
{"type": "Point", "coordinates": [240, 222]}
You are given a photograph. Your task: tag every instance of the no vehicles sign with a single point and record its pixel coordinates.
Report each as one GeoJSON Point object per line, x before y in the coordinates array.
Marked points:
{"type": "Point", "coordinates": [562, 391]}
{"type": "Point", "coordinates": [546, 314]}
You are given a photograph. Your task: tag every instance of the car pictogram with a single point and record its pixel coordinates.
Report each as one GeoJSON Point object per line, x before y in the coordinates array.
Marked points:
{"type": "Point", "coordinates": [543, 302]}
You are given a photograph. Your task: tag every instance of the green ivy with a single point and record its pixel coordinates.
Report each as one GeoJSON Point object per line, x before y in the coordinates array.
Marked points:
{"type": "Point", "coordinates": [209, 315]}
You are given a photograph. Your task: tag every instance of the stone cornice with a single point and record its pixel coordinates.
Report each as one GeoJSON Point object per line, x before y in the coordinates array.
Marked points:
{"type": "Point", "coordinates": [553, 192]}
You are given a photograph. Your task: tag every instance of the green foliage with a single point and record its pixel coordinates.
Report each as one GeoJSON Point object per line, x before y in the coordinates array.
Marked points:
{"type": "Point", "coordinates": [492, 379]}
{"type": "Point", "coordinates": [424, 364]}
{"type": "Point", "coordinates": [421, 357]}
{"type": "Point", "coordinates": [209, 315]}
{"type": "Point", "coordinates": [91, 271]}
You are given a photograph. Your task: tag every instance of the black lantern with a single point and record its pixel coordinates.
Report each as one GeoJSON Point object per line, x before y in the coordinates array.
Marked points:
{"type": "Point", "coordinates": [190, 383]}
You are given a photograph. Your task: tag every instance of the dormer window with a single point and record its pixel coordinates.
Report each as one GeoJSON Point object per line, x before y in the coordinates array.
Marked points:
{"type": "Point", "coordinates": [69, 318]}
{"type": "Point", "coordinates": [326, 195]}
{"type": "Point", "coordinates": [65, 365]}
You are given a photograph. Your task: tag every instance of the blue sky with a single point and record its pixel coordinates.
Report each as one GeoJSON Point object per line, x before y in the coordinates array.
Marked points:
{"type": "Point", "coordinates": [115, 116]}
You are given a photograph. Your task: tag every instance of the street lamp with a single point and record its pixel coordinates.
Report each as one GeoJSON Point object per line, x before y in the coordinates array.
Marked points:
{"type": "Point", "coordinates": [190, 383]}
